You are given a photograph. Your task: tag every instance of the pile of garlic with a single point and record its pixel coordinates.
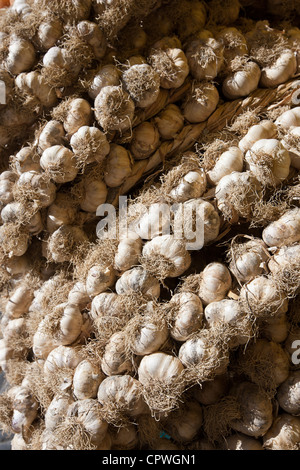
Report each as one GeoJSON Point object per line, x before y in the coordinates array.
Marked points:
{"type": "Point", "coordinates": [107, 342]}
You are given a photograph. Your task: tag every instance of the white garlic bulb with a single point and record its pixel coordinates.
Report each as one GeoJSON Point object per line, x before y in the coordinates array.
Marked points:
{"type": "Point", "coordinates": [114, 109]}
{"type": "Point", "coordinates": [118, 166]}
{"type": "Point", "coordinates": [59, 162]}
{"type": "Point", "coordinates": [215, 282]}
{"type": "Point", "coordinates": [34, 84]}
{"type": "Point", "coordinates": [99, 279]}
{"type": "Point", "coordinates": [142, 83]}
{"type": "Point", "coordinates": [53, 133]}
{"type": "Point", "coordinates": [138, 279]}
{"type": "Point", "coordinates": [171, 64]}
{"type": "Point", "coordinates": [128, 252]}
{"type": "Point", "coordinates": [114, 360]}
{"type": "Point", "coordinates": [266, 129]}
{"type": "Point", "coordinates": [86, 380]}
{"type": "Point", "coordinates": [89, 144]}
{"type": "Point", "coordinates": [106, 75]}
{"type": "Point", "coordinates": [205, 58]}
{"type": "Point", "coordinates": [188, 315]}
{"type": "Point", "coordinates": [230, 160]}
{"type": "Point", "coordinates": [21, 55]}
{"type": "Point", "coordinates": [201, 102]}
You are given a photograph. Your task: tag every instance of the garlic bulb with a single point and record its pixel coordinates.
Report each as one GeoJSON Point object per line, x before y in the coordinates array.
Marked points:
{"type": "Point", "coordinates": [94, 194]}
{"type": "Point", "coordinates": [62, 357]}
{"type": "Point", "coordinates": [159, 366]}
{"type": "Point", "coordinates": [26, 160]}
{"type": "Point", "coordinates": [201, 102]}
{"type": "Point", "coordinates": [63, 243]}
{"type": "Point", "coordinates": [61, 212]}
{"type": "Point", "coordinates": [269, 161]}
{"type": "Point", "coordinates": [57, 410]}
{"type": "Point", "coordinates": [197, 222]}
{"type": "Point", "coordinates": [6, 353]}
{"type": "Point", "coordinates": [166, 257]}
{"type": "Point", "coordinates": [240, 441]}
{"type": "Point", "coordinates": [169, 121]}
{"type": "Point", "coordinates": [171, 64]}
{"type": "Point", "coordinates": [106, 75]}
{"type": "Point", "coordinates": [205, 58]}
{"type": "Point", "coordinates": [99, 279]}
{"type": "Point", "coordinates": [19, 302]}
{"type": "Point", "coordinates": [288, 393]}
{"type": "Point", "coordinates": [283, 231]}
{"type": "Point", "coordinates": [122, 392]}
{"type": "Point", "coordinates": [284, 434]}
{"type": "Point", "coordinates": [249, 259]}
{"type": "Point", "coordinates": [35, 85]}
{"type": "Point", "coordinates": [86, 380]}
{"type": "Point", "coordinates": [93, 35]}
{"type": "Point", "coordinates": [138, 279]}
{"type": "Point", "coordinates": [38, 186]}
{"type": "Point", "coordinates": [114, 109]}
{"type": "Point", "coordinates": [53, 133]}
{"type": "Point", "coordinates": [78, 295]}
{"type": "Point", "coordinates": [211, 391]}
{"type": "Point", "coordinates": [7, 181]}
{"type": "Point", "coordinates": [235, 44]}
{"type": "Point", "coordinates": [187, 314]}
{"type": "Point", "coordinates": [114, 360]}
{"type": "Point", "coordinates": [262, 297]}
{"type": "Point", "coordinates": [14, 241]}
{"type": "Point", "coordinates": [255, 409]}
{"type": "Point", "coordinates": [105, 304]}
{"type": "Point", "coordinates": [49, 32]}
{"type": "Point", "coordinates": [59, 162]}
{"type": "Point", "coordinates": [78, 114]}
{"type": "Point", "coordinates": [236, 195]}
{"type": "Point", "coordinates": [192, 20]}
{"type": "Point", "coordinates": [191, 186]}
{"type": "Point", "coordinates": [230, 160]}
{"type": "Point", "coordinates": [290, 143]}
{"type": "Point", "coordinates": [128, 252]}
{"type": "Point", "coordinates": [125, 438]}
{"type": "Point", "coordinates": [25, 410]}
{"type": "Point", "coordinates": [229, 312]}
{"type": "Point", "coordinates": [118, 166]}
{"type": "Point", "coordinates": [242, 81]}
{"type": "Point", "coordinates": [142, 83]}
{"type": "Point", "coordinates": [266, 129]}
{"type": "Point", "coordinates": [288, 119]}
{"type": "Point", "coordinates": [184, 424]}
{"type": "Point", "coordinates": [215, 283]}
{"type": "Point", "coordinates": [145, 140]}
{"type": "Point", "coordinates": [89, 145]}
{"type": "Point", "coordinates": [21, 55]}
{"type": "Point", "coordinates": [280, 71]}
{"type": "Point", "coordinates": [153, 221]}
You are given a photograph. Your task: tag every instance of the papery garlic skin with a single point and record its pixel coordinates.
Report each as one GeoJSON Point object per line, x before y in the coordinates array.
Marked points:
{"type": "Point", "coordinates": [266, 129]}
{"type": "Point", "coordinates": [107, 75]}
{"type": "Point", "coordinates": [7, 181]}
{"type": "Point", "coordinates": [138, 279]}
{"type": "Point", "coordinates": [99, 279]}
{"type": "Point", "coordinates": [93, 35]}
{"type": "Point", "coordinates": [79, 114]}
{"type": "Point", "coordinates": [118, 166]}
{"type": "Point", "coordinates": [128, 252]}
{"type": "Point", "coordinates": [201, 102]}
{"type": "Point", "coordinates": [229, 161]}
{"type": "Point", "coordinates": [86, 380]}
{"type": "Point", "coordinates": [60, 212]}
{"type": "Point", "coordinates": [188, 317]}
{"type": "Point", "coordinates": [159, 366]}
{"type": "Point", "coordinates": [215, 282]}
{"type": "Point", "coordinates": [242, 82]}
{"type": "Point", "coordinates": [283, 231]}
{"type": "Point", "coordinates": [49, 32]}
{"type": "Point", "coordinates": [64, 241]}
{"type": "Point", "coordinates": [57, 410]}
{"type": "Point", "coordinates": [21, 55]}
{"type": "Point", "coordinates": [251, 261]}
{"type": "Point", "coordinates": [145, 140]}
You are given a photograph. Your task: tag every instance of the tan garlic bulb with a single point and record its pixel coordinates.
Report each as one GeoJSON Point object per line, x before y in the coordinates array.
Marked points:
{"type": "Point", "coordinates": [25, 410]}
{"type": "Point", "coordinates": [78, 295]}
{"type": "Point", "coordinates": [21, 55]}
{"type": "Point", "coordinates": [63, 358]}
{"type": "Point", "coordinates": [7, 181]}
{"type": "Point", "coordinates": [49, 32]}
{"type": "Point", "coordinates": [241, 82]}
{"type": "Point", "coordinates": [211, 391]}
{"type": "Point", "coordinates": [192, 19]}
{"type": "Point", "coordinates": [283, 231]}
{"type": "Point", "coordinates": [284, 434]}
{"type": "Point", "coordinates": [235, 44]}
{"type": "Point", "coordinates": [142, 83]}
{"type": "Point", "coordinates": [201, 350]}
{"type": "Point", "coordinates": [215, 283]}
{"type": "Point", "coordinates": [288, 119]}
{"type": "Point", "coordinates": [105, 304]}
{"type": "Point", "coordinates": [197, 222]}
{"type": "Point", "coordinates": [229, 312]}
{"type": "Point", "coordinates": [52, 133]}
{"type": "Point", "coordinates": [106, 75]}
{"type": "Point", "coordinates": [61, 212]}
{"type": "Point", "coordinates": [94, 194]}
{"type": "Point", "coordinates": [123, 392]}
{"type": "Point", "coordinates": [99, 279]}
{"type": "Point", "coordinates": [255, 409]}
{"type": "Point", "coordinates": [263, 298]}
{"type": "Point", "coordinates": [19, 301]}
{"type": "Point", "coordinates": [171, 64]}
{"type": "Point", "coordinates": [15, 246]}
{"type": "Point", "coordinates": [230, 160]}
{"type": "Point", "coordinates": [60, 163]}
{"type": "Point", "coordinates": [115, 361]}
{"type": "Point", "coordinates": [269, 161]}
{"type": "Point", "coordinates": [239, 441]}
{"type": "Point", "coordinates": [89, 145]}
{"type": "Point", "coordinates": [184, 424]}
{"type": "Point", "coordinates": [57, 410]}
{"type": "Point", "coordinates": [191, 186]}
{"type": "Point", "coordinates": [125, 438]}
{"type": "Point", "coordinates": [288, 393]}
{"type": "Point", "coordinates": [35, 85]}
{"type": "Point", "coordinates": [14, 212]}
{"type": "Point", "coordinates": [128, 252]}
{"type": "Point", "coordinates": [249, 259]}
{"type": "Point", "coordinates": [187, 314]}
{"type": "Point", "coordinates": [205, 58]}
{"type": "Point", "coordinates": [266, 129]}
{"type": "Point", "coordinates": [280, 71]}
{"type": "Point", "coordinates": [169, 121]}
{"type": "Point", "coordinates": [63, 243]}
{"type": "Point", "coordinates": [86, 380]}
{"type": "Point", "coordinates": [201, 102]}
{"type": "Point", "coordinates": [145, 140]}
{"type": "Point", "coordinates": [165, 256]}
{"type": "Point", "coordinates": [275, 328]}
{"type": "Point", "coordinates": [118, 166]}
{"type": "Point", "coordinates": [26, 160]}
{"type": "Point", "coordinates": [137, 279]}
{"type": "Point", "coordinates": [236, 195]}
{"type": "Point", "coordinates": [159, 366]}
{"type": "Point", "coordinates": [94, 36]}
{"type": "Point", "coordinates": [79, 113]}
{"type": "Point", "coordinates": [114, 109]}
